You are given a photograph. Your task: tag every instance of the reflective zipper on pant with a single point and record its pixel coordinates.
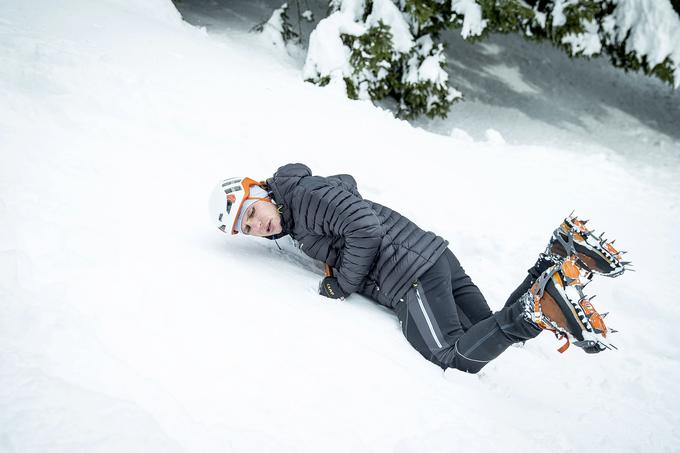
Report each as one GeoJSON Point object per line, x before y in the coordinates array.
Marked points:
{"type": "Point", "coordinates": [427, 319]}
{"type": "Point", "coordinates": [455, 348]}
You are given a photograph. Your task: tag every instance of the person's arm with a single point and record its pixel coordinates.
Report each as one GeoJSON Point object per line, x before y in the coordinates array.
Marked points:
{"type": "Point", "coordinates": [333, 211]}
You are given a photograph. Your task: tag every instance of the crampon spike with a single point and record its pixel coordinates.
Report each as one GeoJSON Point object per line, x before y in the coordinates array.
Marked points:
{"type": "Point", "coordinates": [604, 315]}
{"type": "Point", "coordinates": [613, 331]}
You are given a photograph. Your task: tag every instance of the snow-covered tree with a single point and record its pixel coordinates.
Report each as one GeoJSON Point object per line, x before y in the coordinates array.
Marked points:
{"type": "Point", "coordinates": [635, 34]}
{"type": "Point", "coordinates": [278, 28]}
{"type": "Point", "coordinates": [382, 48]}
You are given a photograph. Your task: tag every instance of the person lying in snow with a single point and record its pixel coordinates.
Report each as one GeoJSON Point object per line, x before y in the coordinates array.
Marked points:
{"type": "Point", "coordinates": [381, 254]}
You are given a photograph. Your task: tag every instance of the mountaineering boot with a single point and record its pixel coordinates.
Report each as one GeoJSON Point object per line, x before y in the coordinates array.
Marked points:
{"type": "Point", "coordinates": [592, 253]}
{"type": "Point", "coordinates": [556, 302]}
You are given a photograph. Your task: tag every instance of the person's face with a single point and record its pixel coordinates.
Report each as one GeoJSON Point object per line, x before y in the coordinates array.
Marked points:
{"type": "Point", "coordinates": [261, 219]}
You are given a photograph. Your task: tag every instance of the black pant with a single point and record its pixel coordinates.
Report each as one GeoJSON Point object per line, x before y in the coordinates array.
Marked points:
{"type": "Point", "coordinates": [446, 318]}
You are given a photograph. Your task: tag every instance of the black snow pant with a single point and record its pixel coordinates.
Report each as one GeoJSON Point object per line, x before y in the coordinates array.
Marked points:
{"type": "Point", "coordinates": [446, 318]}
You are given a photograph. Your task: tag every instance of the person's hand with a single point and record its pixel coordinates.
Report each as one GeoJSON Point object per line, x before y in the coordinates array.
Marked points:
{"type": "Point", "coordinates": [330, 287]}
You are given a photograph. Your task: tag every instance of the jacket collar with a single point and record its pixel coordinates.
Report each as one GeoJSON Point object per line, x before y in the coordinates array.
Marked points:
{"type": "Point", "coordinates": [286, 219]}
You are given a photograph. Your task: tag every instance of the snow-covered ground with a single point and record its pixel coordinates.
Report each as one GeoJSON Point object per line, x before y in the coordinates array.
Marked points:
{"type": "Point", "coordinates": [128, 323]}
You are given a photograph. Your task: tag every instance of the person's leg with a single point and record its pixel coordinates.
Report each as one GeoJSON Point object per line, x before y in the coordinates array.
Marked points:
{"type": "Point", "coordinates": [427, 325]}
{"type": "Point", "coordinates": [487, 339]}
{"type": "Point", "coordinates": [533, 273]}
{"type": "Point", "coordinates": [492, 335]}
{"type": "Point", "coordinates": [464, 320]}
{"type": "Point", "coordinates": [467, 296]}
{"type": "Point", "coordinates": [430, 321]}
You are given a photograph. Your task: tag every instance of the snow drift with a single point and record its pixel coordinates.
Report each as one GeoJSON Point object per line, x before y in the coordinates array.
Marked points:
{"type": "Point", "coordinates": [128, 323]}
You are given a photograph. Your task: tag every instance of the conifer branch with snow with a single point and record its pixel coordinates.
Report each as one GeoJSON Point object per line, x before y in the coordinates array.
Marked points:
{"type": "Point", "coordinates": [380, 49]}
{"type": "Point", "coordinates": [278, 28]}
{"type": "Point", "coordinates": [392, 48]}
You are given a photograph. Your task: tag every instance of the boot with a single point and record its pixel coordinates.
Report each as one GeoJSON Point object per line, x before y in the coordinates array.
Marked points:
{"type": "Point", "coordinates": [592, 253]}
{"type": "Point", "coordinates": [556, 302]}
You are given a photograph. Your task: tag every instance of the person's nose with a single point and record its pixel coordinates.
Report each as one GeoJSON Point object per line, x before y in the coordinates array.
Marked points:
{"type": "Point", "coordinates": [253, 224]}
{"type": "Point", "coordinates": [257, 225]}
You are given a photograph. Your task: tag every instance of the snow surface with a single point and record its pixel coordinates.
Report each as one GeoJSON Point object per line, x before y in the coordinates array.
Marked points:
{"type": "Point", "coordinates": [129, 324]}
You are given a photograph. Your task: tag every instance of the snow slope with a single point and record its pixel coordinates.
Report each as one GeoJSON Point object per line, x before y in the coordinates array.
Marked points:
{"type": "Point", "coordinates": [128, 323]}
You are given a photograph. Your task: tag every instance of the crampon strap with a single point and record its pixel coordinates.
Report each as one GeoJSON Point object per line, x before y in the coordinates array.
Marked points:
{"type": "Point", "coordinates": [540, 321]}
{"type": "Point", "coordinates": [566, 344]}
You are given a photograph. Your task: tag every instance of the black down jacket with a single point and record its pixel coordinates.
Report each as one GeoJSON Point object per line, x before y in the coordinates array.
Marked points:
{"type": "Point", "coordinates": [375, 251]}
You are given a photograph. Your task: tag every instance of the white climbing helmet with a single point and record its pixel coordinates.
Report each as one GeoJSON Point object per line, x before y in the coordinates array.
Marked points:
{"type": "Point", "coordinates": [226, 202]}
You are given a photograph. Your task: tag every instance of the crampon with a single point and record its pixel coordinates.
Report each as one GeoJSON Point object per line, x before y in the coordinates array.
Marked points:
{"type": "Point", "coordinates": [556, 302]}
{"type": "Point", "coordinates": [591, 252]}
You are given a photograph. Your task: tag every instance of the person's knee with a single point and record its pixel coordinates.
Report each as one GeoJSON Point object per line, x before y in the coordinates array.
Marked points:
{"type": "Point", "coordinates": [468, 364]}
{"type": "Point", "coordinates": [470, 370]}
{"type": "Point", "coordinates": [452, 358]}
{"type": "Point", "coordinates": [465, 366]}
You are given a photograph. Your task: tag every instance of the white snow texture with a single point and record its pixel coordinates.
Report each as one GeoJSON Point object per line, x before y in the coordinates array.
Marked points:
{"type": "Point", "coordinates": [128, 323]}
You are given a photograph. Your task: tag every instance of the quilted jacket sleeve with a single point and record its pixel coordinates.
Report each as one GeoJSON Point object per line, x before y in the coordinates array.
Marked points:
{"type": "Point", "coordinates": [332, 211]}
